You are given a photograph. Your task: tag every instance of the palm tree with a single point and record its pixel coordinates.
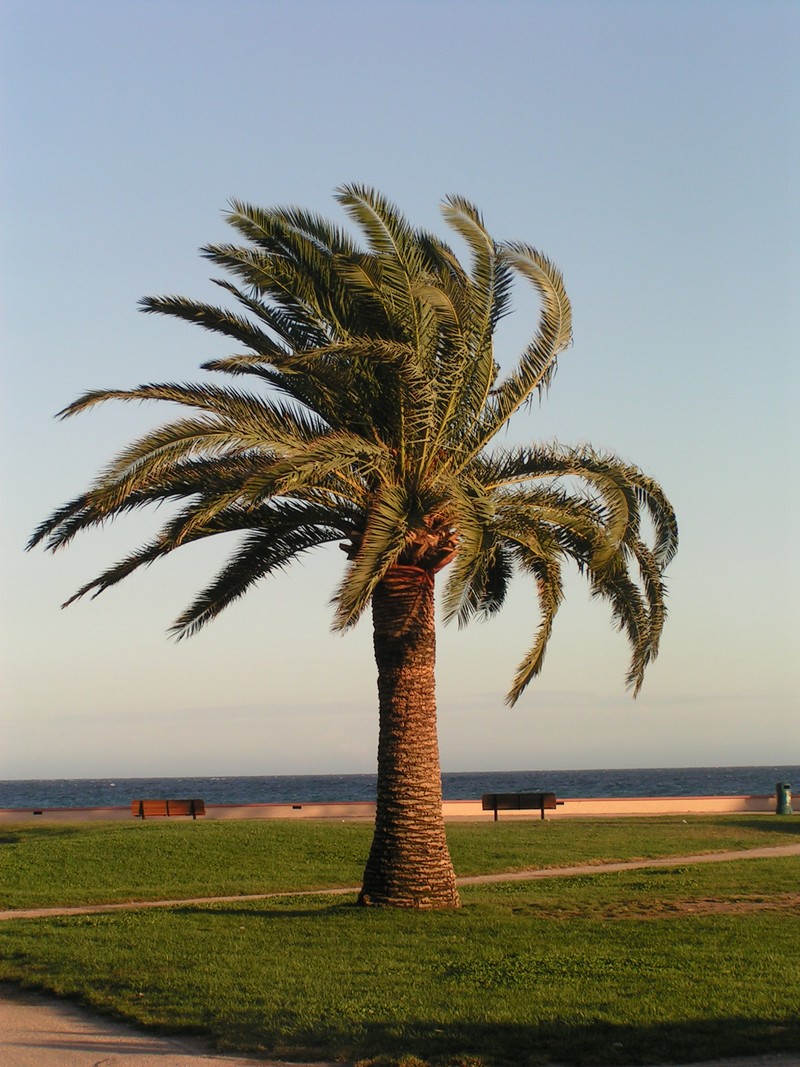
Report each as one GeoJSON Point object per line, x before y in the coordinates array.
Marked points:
{"type": "Point", "coordinates": [378, 398]}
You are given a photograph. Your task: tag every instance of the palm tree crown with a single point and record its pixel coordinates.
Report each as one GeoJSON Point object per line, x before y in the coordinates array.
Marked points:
{"type": "Point", "coordinates": [382, 398]}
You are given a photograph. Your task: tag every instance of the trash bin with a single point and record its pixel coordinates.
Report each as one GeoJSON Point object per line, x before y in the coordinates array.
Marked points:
{"type": "Point", "coordinates": [783, 796]}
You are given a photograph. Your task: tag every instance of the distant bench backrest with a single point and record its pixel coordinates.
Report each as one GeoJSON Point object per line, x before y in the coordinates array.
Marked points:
{"type": "Point", "coordinates": [518, 802]}
{"type": "Point", "coordinates": [144, 809]}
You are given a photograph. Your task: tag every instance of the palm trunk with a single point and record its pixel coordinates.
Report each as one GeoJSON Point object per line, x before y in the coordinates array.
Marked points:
{"type": "Point", "coordinates": [409, 864]}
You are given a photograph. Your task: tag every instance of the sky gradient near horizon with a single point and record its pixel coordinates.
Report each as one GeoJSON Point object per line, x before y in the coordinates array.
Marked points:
{"type": "Point", "coordinates": [651, 150]}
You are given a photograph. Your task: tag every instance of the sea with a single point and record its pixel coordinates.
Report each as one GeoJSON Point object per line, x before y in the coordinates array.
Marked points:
{"type": "Point", "coordinates": [456, 785]}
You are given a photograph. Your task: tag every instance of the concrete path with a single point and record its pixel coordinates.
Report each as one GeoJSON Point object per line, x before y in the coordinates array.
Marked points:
{"type": "Point", "coordinates": [633, 865]}
{"type": "Point", "coordinates": [41, 1031]}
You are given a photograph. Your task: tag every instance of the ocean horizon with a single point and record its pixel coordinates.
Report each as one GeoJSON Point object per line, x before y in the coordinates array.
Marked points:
{"type": "Point", "coordinates": [456, 785]}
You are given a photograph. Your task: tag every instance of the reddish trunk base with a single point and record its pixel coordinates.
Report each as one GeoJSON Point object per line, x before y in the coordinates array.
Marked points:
{"type": "Point", "coordinates": [409, 863]}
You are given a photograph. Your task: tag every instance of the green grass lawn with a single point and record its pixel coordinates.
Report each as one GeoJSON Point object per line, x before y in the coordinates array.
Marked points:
{"type": "Point", "coordinates": [643, 966]}
{"type": "Point", "coordinates": [43, 865]}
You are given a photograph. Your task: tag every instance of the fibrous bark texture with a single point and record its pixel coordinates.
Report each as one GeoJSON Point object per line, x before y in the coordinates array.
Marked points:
{"type": "Point", "coordinates": [409, 863]}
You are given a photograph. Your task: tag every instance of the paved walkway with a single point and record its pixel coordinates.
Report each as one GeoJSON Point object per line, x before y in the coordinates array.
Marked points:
{"type": "Point", "coordinates": [41, 1031]}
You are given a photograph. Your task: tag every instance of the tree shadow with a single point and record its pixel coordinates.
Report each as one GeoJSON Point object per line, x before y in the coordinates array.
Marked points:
{"type": "Point", "coordinates": [273, 908]}
{"type": "Point", "coordinates": [34, 830]}
{"type": "Point", "coordinates": [593, 1043]}
{"type": "Point", "coordinates": [501, 1044]}
{"type": "Point", "coordinates": [782, 824]}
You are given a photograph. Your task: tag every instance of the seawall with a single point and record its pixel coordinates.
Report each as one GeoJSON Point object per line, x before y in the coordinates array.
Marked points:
{"type": "Point", "coordinates": [571, 807]}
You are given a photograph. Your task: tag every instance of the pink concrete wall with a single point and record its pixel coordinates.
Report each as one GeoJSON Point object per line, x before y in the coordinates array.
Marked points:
{"type": "Point", "coordinates": [453, 809]}
{"type": "Point", "coordinates": [613, 806]}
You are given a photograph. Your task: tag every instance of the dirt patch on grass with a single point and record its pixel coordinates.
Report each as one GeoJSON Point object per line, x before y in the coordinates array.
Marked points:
{"type": "Point", "coordinates": [713, 906]}
{"type": "Point", "coordinates": [669, 909]}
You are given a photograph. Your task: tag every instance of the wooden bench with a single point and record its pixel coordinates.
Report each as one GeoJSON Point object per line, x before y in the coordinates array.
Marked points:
{"type": "Point", "coordinates": [519, 802]}
{"type": "Point", "coordinates": [146, 809]}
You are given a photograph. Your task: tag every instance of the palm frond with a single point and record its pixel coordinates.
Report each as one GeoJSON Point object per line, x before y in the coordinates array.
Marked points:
{"type": "Point", "coordinates": [309, 465]}
{"type": "Point", "coordinates": [393, 241]}
{"type": "Point", "coordinates": [195, 477]}
{"type": "Point", "coordinates": [387, 526]}
{"type": "Point", "coordinates": [264, 552]}
{"type": "Point", "coordinates": [276, 228]}
{"type": "Point", "coordinates": [216, 319]}
{"type": "Point", "coordinates": [491, 278]}
{"type": "Point", "coordinates": [549, 587]}
{"type": "Point", "coordinates": [292, 334]}
{"type": "Point", "coordinates": [474, 514]}
{"type": "Point", "coordinates": [615, 585]}
{"type": "Point", "coordinates": [287, 523]}
{"type": "Point", "coordinates": [614, 484]}
{"type": "Point", "coordinates": [538, 362]}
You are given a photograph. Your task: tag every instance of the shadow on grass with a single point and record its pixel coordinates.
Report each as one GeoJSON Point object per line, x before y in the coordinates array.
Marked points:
{"type": "Point", "coordinates": [783, 824]}
{"type": "Point", "coordinates": [275, 913]}
{"type": "Point", "coordinates": [44, 830]}
{"type": "Point", "coordinates": [278, 907]}
{"type": "Point", "coordinates": [469, 1044]}
{"type": "Point", "coordinates": [594, 1044]}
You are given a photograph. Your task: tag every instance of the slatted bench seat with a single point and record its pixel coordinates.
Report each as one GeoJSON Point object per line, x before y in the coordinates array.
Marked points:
{"type": "Point", "coordinates": [146, 809]}
{"type": "Point", "coordinates": [519, 802]}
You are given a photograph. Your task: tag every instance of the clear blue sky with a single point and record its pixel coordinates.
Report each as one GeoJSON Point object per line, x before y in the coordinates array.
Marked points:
{"type": "Point", "coordinates": [651, 149]}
